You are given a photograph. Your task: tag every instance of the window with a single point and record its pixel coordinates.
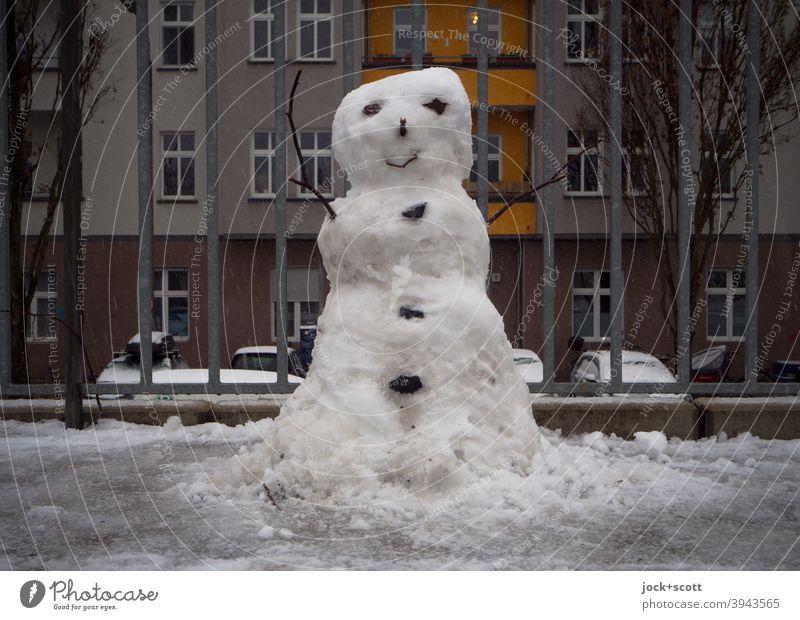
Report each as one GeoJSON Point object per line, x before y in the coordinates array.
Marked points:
{"type": "Point", "coordinates": [727, 315]}
{"type": "Point", "coordinates": [591, 304]}
{"type": "Point", "coordinates": [315, 29]}
{"type": "Point", "coordinates": [178, 164]}
{"type": "Point", "coordinates": [315, 147]}
{"type": "Point", "coordinates": [261, 30]}
{"type": "Point", "coordinates": [263, 173]}
{"type": "Point", "coordinates": [177, 34]}
{"type": "Point", "coordinates": [583, 162]}
{"type": "Point", "coordinates": [583, 18]}
{"type": "Point", "coordinates": [710, 39]}
{"type": "Point", "coordinates": [718, 164]}
{"type": "Point", "coordinates": [303, 300]}
{"type": "Point", "coordinates": [634, 161]}
{"type": "Point", "coordinates": [42, 323]}
{"type": "Point", "coordinates": [494, 27]}
{"type": "Point", "coordinates": [495, 158]}
{"type": "Point", "coordinates": [171, 302]}
{"type": "Point", "coordinates": [403, 30]}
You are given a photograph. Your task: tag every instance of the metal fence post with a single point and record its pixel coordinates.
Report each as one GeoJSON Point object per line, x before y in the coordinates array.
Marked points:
{"type": "Point", "coordinates": [615, 98]}
{"type": "Point", "coordinates": [548, 196]}
{"type": "Point", "coordinates": [348, 43]}
{"type": "Point", "coordinates": [483, 108]}
{"type": "Point", "coordinates": [686, 68]}
{"type": "Point", "coordinates": [279, 35]}
{"type": "Point", "coordinates": [211, 212]}
{"type": "Point", "coordinates": [752, 273]}
{"type": "Point", "coordinates": [417, 42]}
{"type": "Point", "coordinates": [5, 239]}
{"type": "Point", "coordinates": [145, 187]}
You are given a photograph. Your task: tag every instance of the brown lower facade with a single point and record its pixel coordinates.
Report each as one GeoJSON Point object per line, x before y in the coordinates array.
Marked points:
{"type": "Point", "coordinates": [516, 286]}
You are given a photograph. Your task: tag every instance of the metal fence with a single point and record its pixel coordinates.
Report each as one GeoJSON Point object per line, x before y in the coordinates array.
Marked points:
{"type": "Point", "coordinates": [546, 71]}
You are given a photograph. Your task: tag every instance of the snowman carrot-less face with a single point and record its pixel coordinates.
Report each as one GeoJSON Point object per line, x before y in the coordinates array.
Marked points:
{"type": "Point", "coordinates": [403, 127]}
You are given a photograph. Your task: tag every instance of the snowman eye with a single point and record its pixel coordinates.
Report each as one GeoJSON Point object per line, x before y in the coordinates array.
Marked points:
{"type": "Point", "coordinates": [437, 105]}
{"type": "Point", "coordinates": [372, 109]}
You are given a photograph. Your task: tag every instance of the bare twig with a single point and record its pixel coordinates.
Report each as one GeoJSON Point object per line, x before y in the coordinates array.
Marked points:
{"type": "Point", "coordinates": [303, 182]}
{"type": "Point", "coordinates": [557, 176]}
{"type": "Point", "coordinates": [388, 163]}
{"type": "Point", "coordinates": [269, 495]}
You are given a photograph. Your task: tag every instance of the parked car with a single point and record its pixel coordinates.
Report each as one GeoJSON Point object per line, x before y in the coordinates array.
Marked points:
{"type": "Point", "coordinates": [529, 365]}
{"type": "Point", "coordinates": [637, 367]}
{"type": "Point", "coordinates": [126, 365]}
{"type": "Point", "coordinates": [710, 365]}
{"type": "Point", "coordinates": [266, 358]}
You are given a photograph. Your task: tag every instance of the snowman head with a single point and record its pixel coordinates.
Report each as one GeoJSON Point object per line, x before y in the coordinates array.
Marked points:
{"type": "Point", "coordinates": [411, 126]}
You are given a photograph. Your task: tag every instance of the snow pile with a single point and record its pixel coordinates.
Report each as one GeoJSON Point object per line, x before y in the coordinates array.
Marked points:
{"type": "Point", "coordinates": [413, 389]}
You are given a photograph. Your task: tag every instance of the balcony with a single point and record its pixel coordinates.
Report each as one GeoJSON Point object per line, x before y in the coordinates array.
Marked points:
{"type": "Point", "coordinates": [501, 190]}
{"type": "Point", "coordinates": [509, 61]}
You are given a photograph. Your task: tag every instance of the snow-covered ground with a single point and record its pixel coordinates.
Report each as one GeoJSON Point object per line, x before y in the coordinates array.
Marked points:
{"type": "Point", "coordinates": [137, 497]}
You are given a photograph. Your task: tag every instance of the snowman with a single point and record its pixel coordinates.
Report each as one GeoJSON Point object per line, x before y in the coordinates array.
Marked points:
{"type": "Point", "coordinates": [413, 388]}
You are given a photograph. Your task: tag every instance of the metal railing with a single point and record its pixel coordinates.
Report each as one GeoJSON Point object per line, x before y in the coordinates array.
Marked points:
{"type": "Point", "coordinates": [547, 105]}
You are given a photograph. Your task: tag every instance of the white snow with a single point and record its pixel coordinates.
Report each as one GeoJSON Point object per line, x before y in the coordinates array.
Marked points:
{"type": "Point", "coordinates": [651, 443]}
{"type": "Point", "coordinates": [345, 434]}
{"type": "Point", "coordinates": [123, 496]}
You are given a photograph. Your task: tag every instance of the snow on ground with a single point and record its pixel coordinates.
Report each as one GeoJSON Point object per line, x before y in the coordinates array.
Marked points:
{"type": "Point", "coordinates": [122, 496]}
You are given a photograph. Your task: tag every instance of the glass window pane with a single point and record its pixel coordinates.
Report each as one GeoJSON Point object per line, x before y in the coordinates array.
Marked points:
{"type": "Point", "coordinates": [494, 170]}
{"type": "Point", "coordinates": [574, 174]}
{"type": "Point", "coordinates": [187, 180]}
{"type": "Point", "coordinates": [739, 315]}
{"type": "Point", "coordinates": [158, 321]}
{"type": "Point", "coordinates": [170, 56]}
{"type": "Point", "coordinates": [178, 280]}
{"type": "Point", "coordinates": [261, 180]}
{"type": "Point", "coordinates": [169, 141]}
{"type": "Point", "coordinates": [187, 141]}
{"type": "Point", "coordinates": [307, 38]}
{"type": "Point", "coordinates": [716, 316]}
{"type": "Point", "coordinates": [323, 6]}
{"type": "Point", "coordinates": [323, 140]}
{"type": "Point", "coordinates": [403, 16]}
{"type": "Point", "coordinates": [605, 315]}
{"type": "Point", "coordinates": [582, 316]}
{"type": "Point", "coordinates": [590, 183]}
{"type": "Point", "coordinates": [306, 6]}
{"type": "Point", "coordinates": [178, 316]}
{"type": "Point", "coordinates": [583, 279]}
{"type": "Point", "coordinates": [605, 279]}
{"type": "Point", "coordinates": [170, 176]}
{"type": "Point", "coordinates": [572, 140]}
{"type": "Point", "coordinates": [171, 13]}
{"type": "Point", "coordinates": [260, 6]}
{"type": "Point", "coordinates": [717, 279]}
{"type": "Point", "coordinates": [157, 280]}
{"type": "Point", "coordinates": [575, 40]}
{"type": "Point", "coordinates": [187, 46]}
{"type": "Point", "coordinates": [323, 39]}
{"type": "Point", "coordinates": [307, 142]}
{"type": "Point", "coordinates": [187, 12]}
{"type": "Point", "coordinates": [261, 48]}
{"type": "Point", "coordinates": [261, 140]}
{"type": "Point", "coordinates": [323, 170]}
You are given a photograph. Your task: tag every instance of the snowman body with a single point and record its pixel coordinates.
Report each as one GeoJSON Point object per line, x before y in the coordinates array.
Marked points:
{"type": "Point", "coordinates": [413, 383]}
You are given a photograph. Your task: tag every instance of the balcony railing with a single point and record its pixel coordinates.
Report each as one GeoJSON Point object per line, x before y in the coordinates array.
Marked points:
{"type": "Point", "coordinates": [428, 60]}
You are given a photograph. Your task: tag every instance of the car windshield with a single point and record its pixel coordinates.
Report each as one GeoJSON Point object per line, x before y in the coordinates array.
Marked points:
{"type": "Point", "coordinates": [256, 361]}
{"type": "Point", "coordinates": [524, 360]}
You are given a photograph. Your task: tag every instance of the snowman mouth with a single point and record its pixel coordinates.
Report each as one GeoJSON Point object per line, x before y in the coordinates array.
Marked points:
{"type": "Point", "coordinates": [404, 164]}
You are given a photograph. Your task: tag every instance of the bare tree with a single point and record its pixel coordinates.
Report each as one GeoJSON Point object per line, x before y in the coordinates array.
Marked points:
{"type": "Point", "coordinates": [655, 142]}
{"type": "Point", "coordinates": [33, 38]}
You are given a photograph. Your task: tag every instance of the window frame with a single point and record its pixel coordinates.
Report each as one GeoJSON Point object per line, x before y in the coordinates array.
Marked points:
{"type": "Point", "coordinates": [498, 157]}
{"type": "Point", "coordinates": [178, 154]}
{"type": "Point", "coordinates": [410, 28]}
{"type": "Point", "coordinates": [473, 29]}
{"type": "Point", "coordinates": [181, 24]}
{"type": "Point", "coordinates": [572, 151]}
{"type": "Point", "coordinates": [270, 154]}
{"type": "Point", "coordinates": [165, 294]}
{"type": "Point", "coordinates": [296, 304]}
{"type": "Point", "coordinates": [316, 18]}
{"type": "Point", "coordinates": [597, 291]}
{"type": "Point", "coordinates": [583, 18]}
{"type": "Point", "coordinates": [310, 155]}
{"type": "Point", "coordinates": [729, 292]}
{"type": "Point", "coordinates": [269, 18]}
{"type": "Point", "coordinates": [32, 322]}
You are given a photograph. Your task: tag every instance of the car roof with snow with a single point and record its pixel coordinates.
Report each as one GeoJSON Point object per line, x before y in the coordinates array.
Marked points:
{"type": "Point", "coordinates": [260, 350]}
{"type": "Point", "coordinates": [526, 354]}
